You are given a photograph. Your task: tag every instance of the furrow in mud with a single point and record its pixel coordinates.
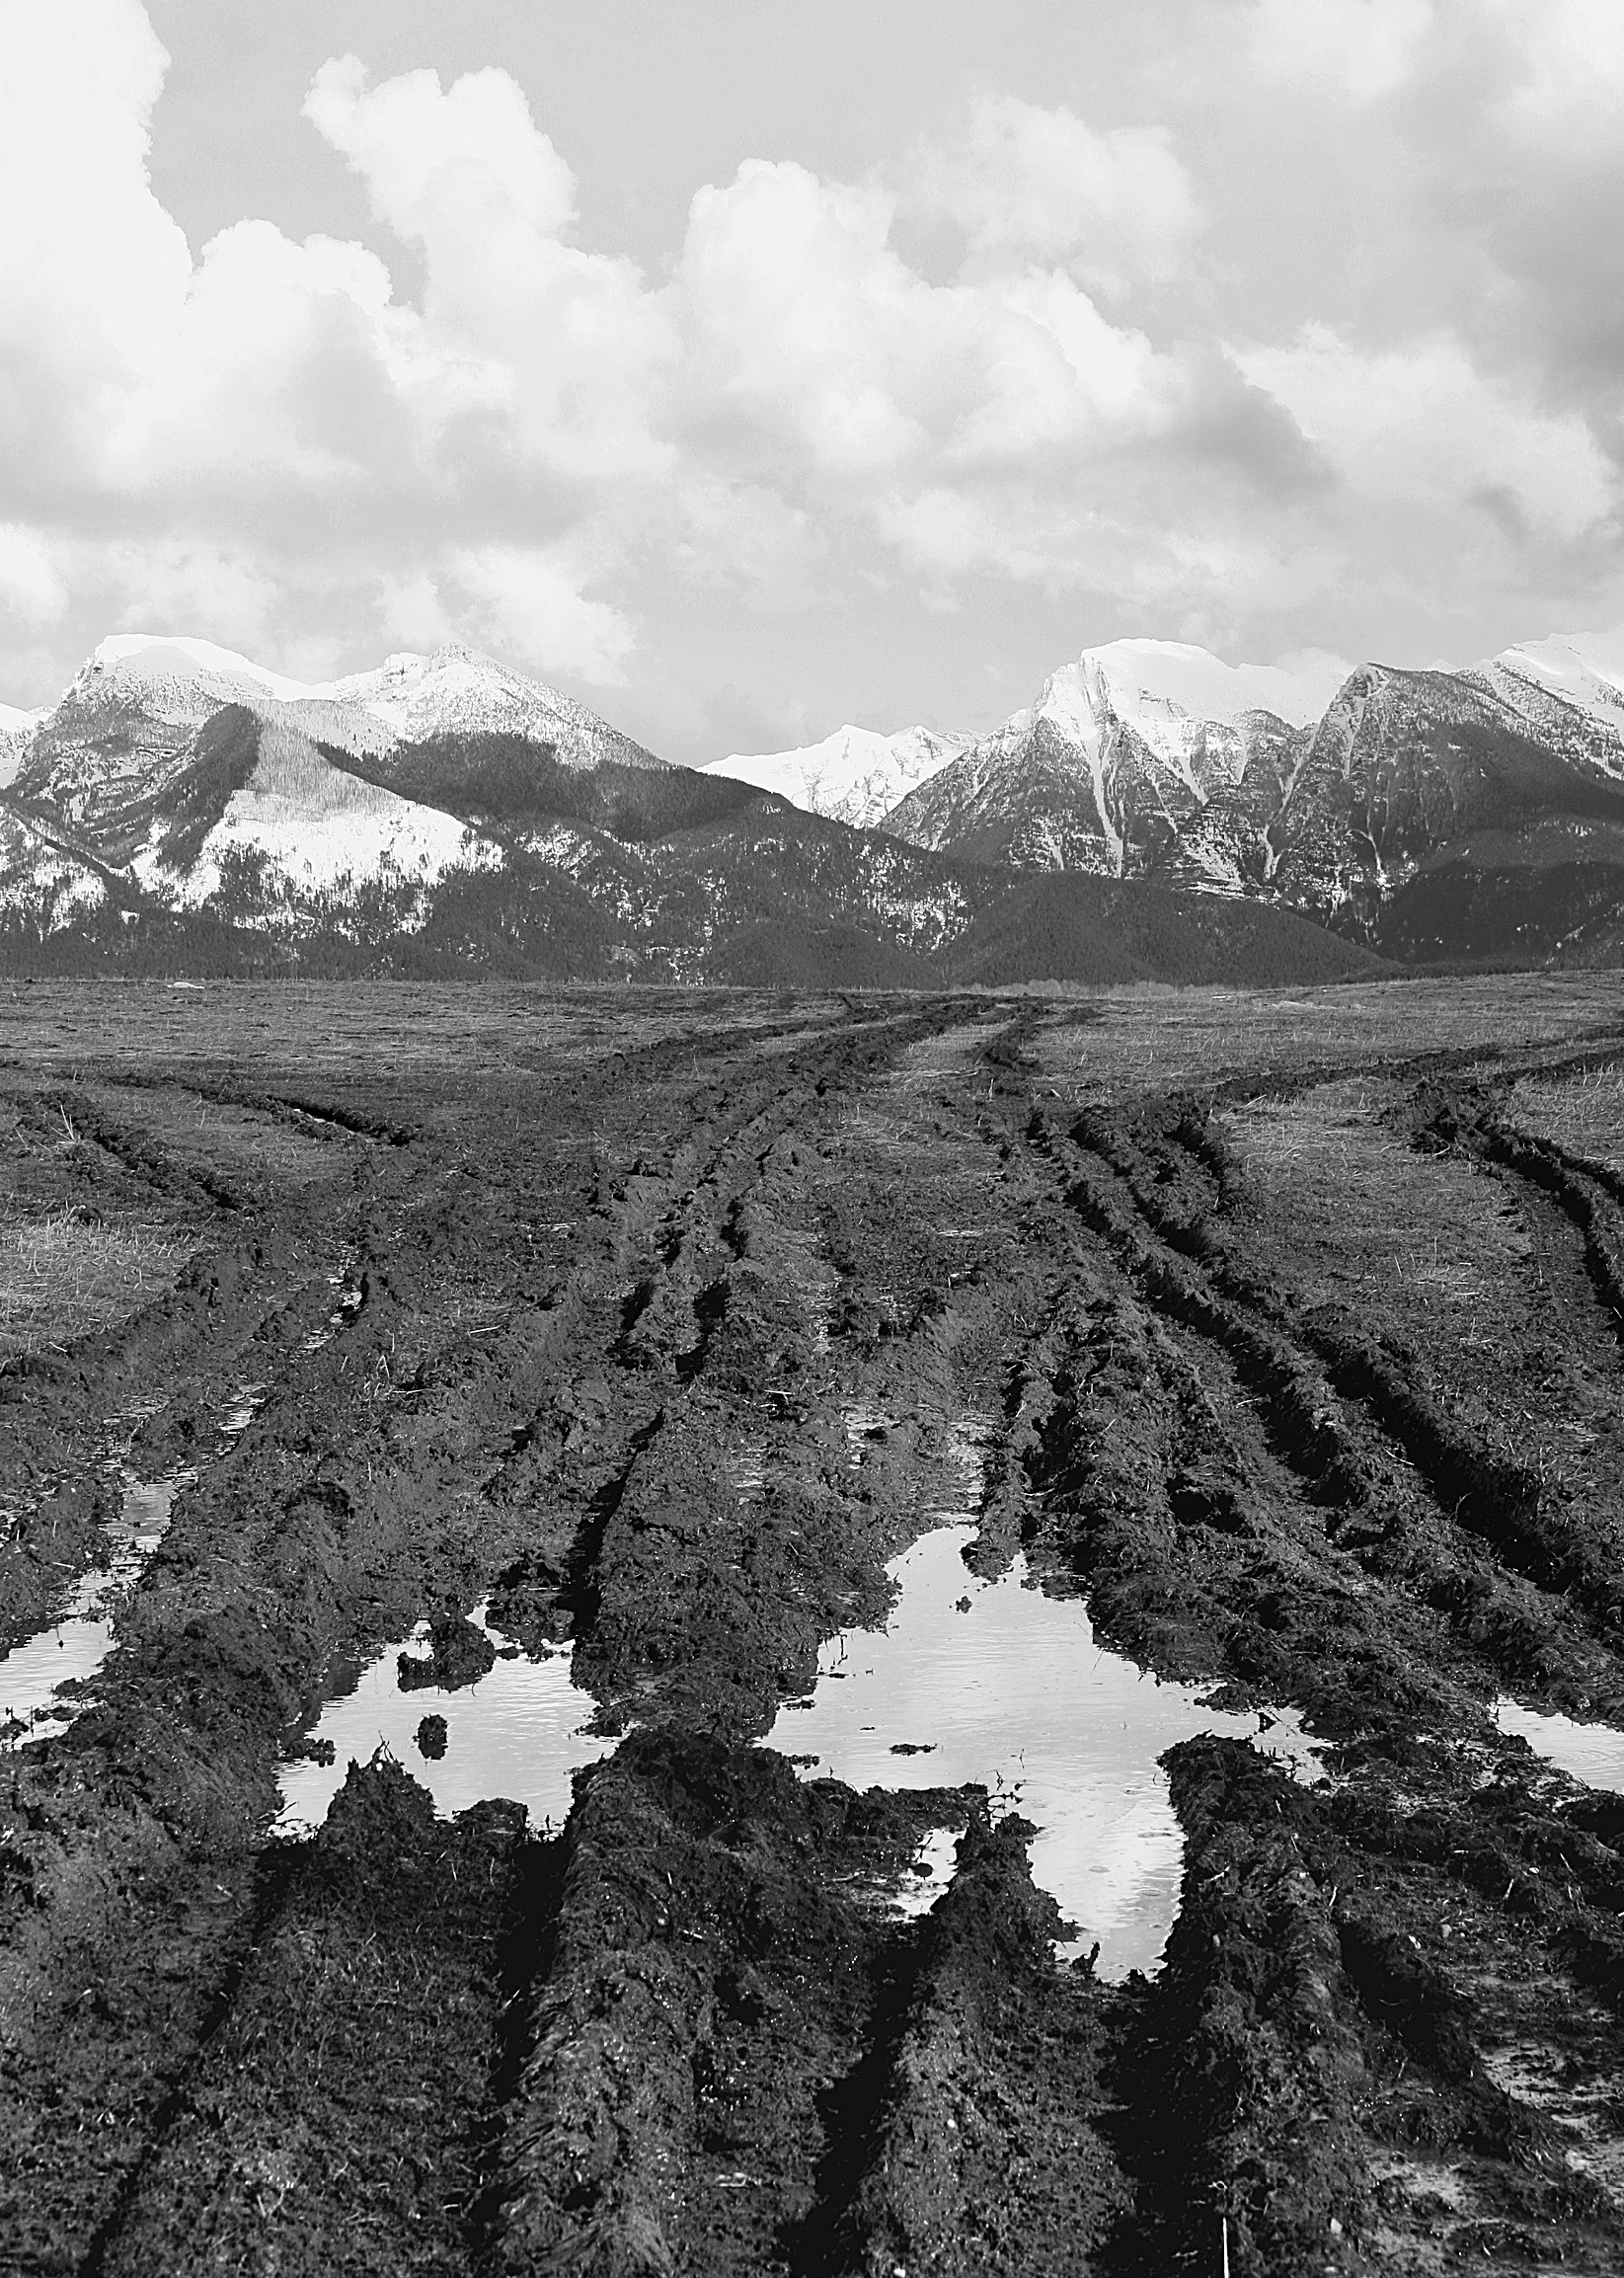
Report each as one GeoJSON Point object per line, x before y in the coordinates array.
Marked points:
{"type": "Point", "coordinates": [664, 1332]}
{"type": "Point", "coordinates": [720, 1930]}
{"type": "Point", "coordinates": [369, 2002]}
{"type": "Point", "coordinates": [1585, 1192]}
{"type": "Point", "coordinates": [1496, 1499]}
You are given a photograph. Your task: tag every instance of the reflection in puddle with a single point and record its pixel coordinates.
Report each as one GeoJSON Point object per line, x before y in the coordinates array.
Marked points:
{"type": "Point", "coordinates": [931, 1873]}
{"type": "Point", "coordinates": [75, 1647]}
{"type": "Point", "coordinates": [993, 1682]}
{"type": "Point", "coordinates": [519, 1732]}
{"type": "Point", "coordinates": [1593, 1753]}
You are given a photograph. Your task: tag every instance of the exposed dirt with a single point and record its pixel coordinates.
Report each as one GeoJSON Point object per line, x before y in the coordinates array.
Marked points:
{"type": "Point", "coordinates": [1295, 1331]}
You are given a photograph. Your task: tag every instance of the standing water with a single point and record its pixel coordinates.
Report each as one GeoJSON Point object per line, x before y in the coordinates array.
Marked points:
{"type": "Point", "coordinates": [75, 1647]}
{"type": "Point", "coordinates": [1591, 1752]}
{"type": "Point", "coordinates": [995, 1683]}
{"type": "Point", "coordinates": [519, 1731]}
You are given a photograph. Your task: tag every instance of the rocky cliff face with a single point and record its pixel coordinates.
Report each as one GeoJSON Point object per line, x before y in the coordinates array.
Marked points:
{"type": "Point", "coordinates": [1109, 772]}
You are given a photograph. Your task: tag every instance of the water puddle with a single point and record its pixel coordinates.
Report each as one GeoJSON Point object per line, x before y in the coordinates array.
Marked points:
{"type": "Point", "coordinates": [74, 1648]}
{"type": "Point", "coordinates": [1591, 1752]}
{"type": "Point", "coordinates": [79, 1642]}
{"type": "Point", "coordinates": [930, 1873]}
{"type": "Point", "coordinates": [519, 1732]}
{"type": "Point", "coordinates": [995, 1683]}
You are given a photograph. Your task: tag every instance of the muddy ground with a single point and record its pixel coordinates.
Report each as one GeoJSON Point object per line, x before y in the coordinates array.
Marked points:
{"type": "Point", "coordinates": [1298, 1325]}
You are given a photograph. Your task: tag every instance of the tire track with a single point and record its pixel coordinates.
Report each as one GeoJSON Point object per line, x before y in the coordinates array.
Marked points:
{"type": "Point", "coordinates": [1280, 1344]}
{"type": "Point", "coordinates": [686, 2036]}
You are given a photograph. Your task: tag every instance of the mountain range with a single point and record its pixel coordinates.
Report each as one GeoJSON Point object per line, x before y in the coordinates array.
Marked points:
{"type": "Point", "coordinates": [181, 804]}
{"type": "Point", "coordinates": [1441, 814]}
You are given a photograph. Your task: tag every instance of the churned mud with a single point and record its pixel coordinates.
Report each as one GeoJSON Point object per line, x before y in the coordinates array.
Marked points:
{"type": "Point", "coordinates": [1186, 1428]}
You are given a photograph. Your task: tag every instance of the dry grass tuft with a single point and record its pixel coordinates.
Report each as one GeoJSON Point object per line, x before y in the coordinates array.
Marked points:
{"type": "Point", "coordinates": [63, 1275]}
{"type": "Point", "coordinates": [1583, 1111]}
{"type": "Point", "coordinates": [1347, 1206]}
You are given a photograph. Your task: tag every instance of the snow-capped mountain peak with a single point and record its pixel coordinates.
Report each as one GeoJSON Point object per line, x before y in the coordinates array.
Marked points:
{"type": "Point", "coordinates": [186, 769]}
{"type": "Point", "coordinates": [1583, 672]}
{"type": "Point", "coordinates": [1568, 690]}
{"type": "Point", "coordinates": [1122, 754]}
{"type": "Point", "coordinates": [1570, 664]}
{"type": "Point", "coordinates": [1150, 679]}
{"type": "Point", "coordinates": [856, 775]}
{"type": "Point", "coordinates": [135, 657]}
{"type": "Point", "coordinates": [461, 691]}
{"type": "Point", "coordinates": [123, 728]}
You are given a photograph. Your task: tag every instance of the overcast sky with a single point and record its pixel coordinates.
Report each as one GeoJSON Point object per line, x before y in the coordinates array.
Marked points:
{"type": "Point", "coordinates": [745, 367]}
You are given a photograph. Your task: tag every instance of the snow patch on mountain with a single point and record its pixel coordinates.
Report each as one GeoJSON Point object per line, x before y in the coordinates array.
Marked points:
{"type": "Point", "coordinates": [1149, 678]}
{"type": "Point", "coordinates": [1076, 702]}
{"type": "Point", "coordinates": [308, 829]}
{"type": "Point", "coordinates": [127, 716]}
{"type": "Point", "coordinates": [463, 692]}
{"type": "Point", "coordinates": [167, 656]}
{"type": "Point", "coordinates": [17, 729]}
{"type": "Point", "coordinates": [42, 884]}
{"type": "Point", "coordinates": [856, 775]}
{"type": "Point", "coordinates": [1569, 690]}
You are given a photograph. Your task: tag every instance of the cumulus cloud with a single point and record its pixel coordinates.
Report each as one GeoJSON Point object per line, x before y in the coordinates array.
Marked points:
{"type": "Point", "coordinates": [527, 602]}
{"type": "Point", "coordinates": [798, 319]}
{"type": "Point", "coordinates": [1034, 185]}
{"type": "Point", "coordinates": [570, 342]}
{"type": "Point", "coordinates": [1422, 424]}
{"type": "Point", "coordinates": [986, 425]}
{"type": "Point", "coordinates": [1528, 178]}
{"type": "Point", "coordinates": [203, 438]}
{"type": "Point", "coordinates": [803, 319]}
{"type": "Point", "coordinates": [548, 451]}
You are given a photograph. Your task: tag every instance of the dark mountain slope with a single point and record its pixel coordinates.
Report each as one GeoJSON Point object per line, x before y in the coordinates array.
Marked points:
{"type": "Point", "coordinates": [506, 781]}
{"type": "Point", "coordinates": [1403, 765]}
{"type": "Point", "coordinates": [1552, 893]}
{"type": "Point", "coordinates": [1097, 930]}
{"type": "Point", "coordinates": [224, 755]}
